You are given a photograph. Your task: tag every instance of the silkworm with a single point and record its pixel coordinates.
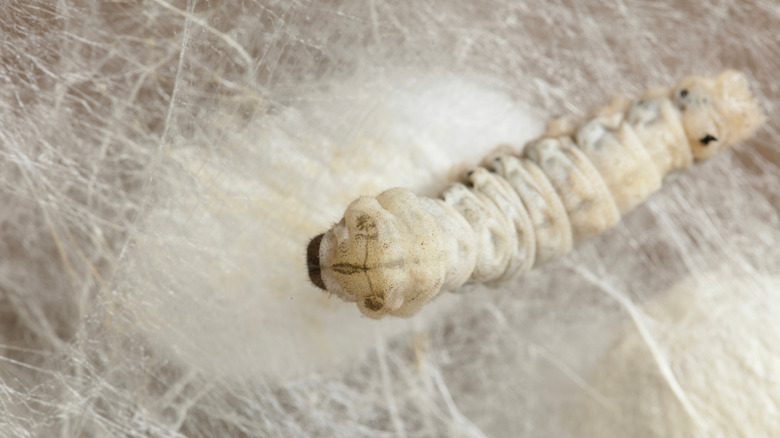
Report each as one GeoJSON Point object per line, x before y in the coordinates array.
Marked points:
{"type": "Point", "coordinates": [391, 254]}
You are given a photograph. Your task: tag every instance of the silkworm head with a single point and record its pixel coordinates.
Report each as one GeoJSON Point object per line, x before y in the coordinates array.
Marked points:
{"type": "Point", "coordinates": [385, 254]}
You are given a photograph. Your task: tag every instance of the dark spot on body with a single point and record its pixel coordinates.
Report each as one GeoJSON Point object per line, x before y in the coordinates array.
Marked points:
{"type": "Point", "coordinates": [682, 99]}
{"type": "Point", "coordinates": [707, 139]}
{"type": "Point", "coordinates": [313, 262]}
{"type": "Point", "coordinates": [374, 303]}
{"type": "Point", "coordinates": [365, 223]}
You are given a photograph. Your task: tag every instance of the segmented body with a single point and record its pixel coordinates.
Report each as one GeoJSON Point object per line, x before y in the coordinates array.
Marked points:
{"type": "Point", "coordinates": [391, 254]}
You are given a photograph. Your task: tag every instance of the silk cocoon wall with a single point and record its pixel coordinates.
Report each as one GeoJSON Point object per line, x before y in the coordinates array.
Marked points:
{"type": "Point", "coordinates": [165, 163]}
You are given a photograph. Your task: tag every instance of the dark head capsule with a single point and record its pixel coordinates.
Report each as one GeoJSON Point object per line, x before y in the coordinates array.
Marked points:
{"type": "Point", "coordinates": [313, 262]}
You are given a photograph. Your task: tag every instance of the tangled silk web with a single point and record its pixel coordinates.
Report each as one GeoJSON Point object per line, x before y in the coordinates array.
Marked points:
{"type": "Point", "coordinates": [164, 163]}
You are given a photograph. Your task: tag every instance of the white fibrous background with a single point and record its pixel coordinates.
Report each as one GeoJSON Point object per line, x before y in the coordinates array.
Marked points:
{"type": "Point", "coordinates": [163, 165]}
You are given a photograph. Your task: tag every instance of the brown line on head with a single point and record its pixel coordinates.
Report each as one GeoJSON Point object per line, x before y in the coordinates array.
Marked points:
{"type": "Point", "coordinates": [313, 262]}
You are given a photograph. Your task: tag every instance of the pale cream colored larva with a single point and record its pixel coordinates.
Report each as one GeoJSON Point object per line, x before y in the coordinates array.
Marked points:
{"type": "Point", "coordinates": [393, 253]}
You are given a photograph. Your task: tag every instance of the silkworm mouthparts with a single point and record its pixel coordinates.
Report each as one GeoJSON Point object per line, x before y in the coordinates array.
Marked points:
{"type": "Point", "coordinates": [313, 262]}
